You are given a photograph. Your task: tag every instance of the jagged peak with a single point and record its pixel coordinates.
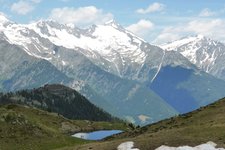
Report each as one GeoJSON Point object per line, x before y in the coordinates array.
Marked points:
{"type": "Point", "coordinates": [201, 37]}
{"type": "Point", "coordinates": [114, 24]}
{"type": "Point", "coordinates": [45, 21]}
{"type": "Point", "coordinates": [112, 21]}
{"type": "Point", "coordinates": [189, 39]}
{"type": "Point", "coordinates": [3, 18]}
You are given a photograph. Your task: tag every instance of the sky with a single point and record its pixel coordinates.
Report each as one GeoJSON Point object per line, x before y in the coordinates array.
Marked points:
{"type": "Point", "coordinates": [156, 21]}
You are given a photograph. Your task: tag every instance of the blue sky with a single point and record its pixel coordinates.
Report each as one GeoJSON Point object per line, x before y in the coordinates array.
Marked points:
{"type": "Point", "coordinates": [156, 21]}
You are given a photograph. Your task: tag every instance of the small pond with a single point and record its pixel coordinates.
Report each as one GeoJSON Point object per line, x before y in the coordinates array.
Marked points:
{"type": "Point", "coordinates": [96, 135]}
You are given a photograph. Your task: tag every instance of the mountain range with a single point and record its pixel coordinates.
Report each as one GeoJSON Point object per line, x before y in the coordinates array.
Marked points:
{"type": "Point", "coordinates": [115, 69]}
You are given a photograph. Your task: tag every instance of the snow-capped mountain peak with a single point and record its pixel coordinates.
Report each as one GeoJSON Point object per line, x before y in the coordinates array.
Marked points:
{"type": "Point", "coordinates": [114, 24]}
{"type": "Point", "coordinates": [202, 51]}
{"type": "Point", "coordinates": [185, 40]}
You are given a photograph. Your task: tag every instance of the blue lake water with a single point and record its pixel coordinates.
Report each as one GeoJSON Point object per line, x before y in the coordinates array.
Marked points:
{"type": "Point", "coordinates": [96, 135]}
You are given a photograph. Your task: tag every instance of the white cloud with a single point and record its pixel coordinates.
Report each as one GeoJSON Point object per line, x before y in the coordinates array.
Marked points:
{"type": "Point", "coordinates": [82, 16]}
{"type": "Point", "coordinates": [155, 7]}
{"type": "Point", "coordinates": [141, 28]}
{"type": "Point", "coordinates": [207, 27]}
{"type": "Point", "coordinates": [23, 7]}
{"type": "Point", "coordinates": [213, 28]}
{"type": "Point", "coordinates": [207, 13]}
{"type": "Point", "coordinates": [166, 37]}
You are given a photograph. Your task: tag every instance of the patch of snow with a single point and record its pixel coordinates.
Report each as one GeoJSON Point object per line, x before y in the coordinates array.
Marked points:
{"type": "Point", "coordinates": [63, 63]}
{"type": "Point", "coordinates": [14, 35]}
{"type": "Point", "coordinates": [143, 118]}
{"type": "Point", "coordinates": [81, 135]}
{"type": "Point", "coordinates": [133, 91]}
{"type": "Point", "coordinates": [78, 85]}
{"type": "Point", "coordinates": [38, 56]}
{"type": "Point", "coordinates": [206, 146]}
{"type": "Point", "coordinates": [127, 146]}
{"type": "Point", "coordinates": [159, 68]}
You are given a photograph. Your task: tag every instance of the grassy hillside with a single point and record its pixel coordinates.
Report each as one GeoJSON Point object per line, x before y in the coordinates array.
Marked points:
{"type": "Point", "coordinates": [60, 99]}
{"type": "Point", "coordinates": [200, 126]}
{"type": "Point", "coordinates": [24, 128]}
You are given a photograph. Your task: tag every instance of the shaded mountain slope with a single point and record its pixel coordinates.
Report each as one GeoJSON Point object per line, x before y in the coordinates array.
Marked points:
{"type": "Point", "coordinates": [21, 71]}
{"type": "Point", "coordinates": [186, 89]}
